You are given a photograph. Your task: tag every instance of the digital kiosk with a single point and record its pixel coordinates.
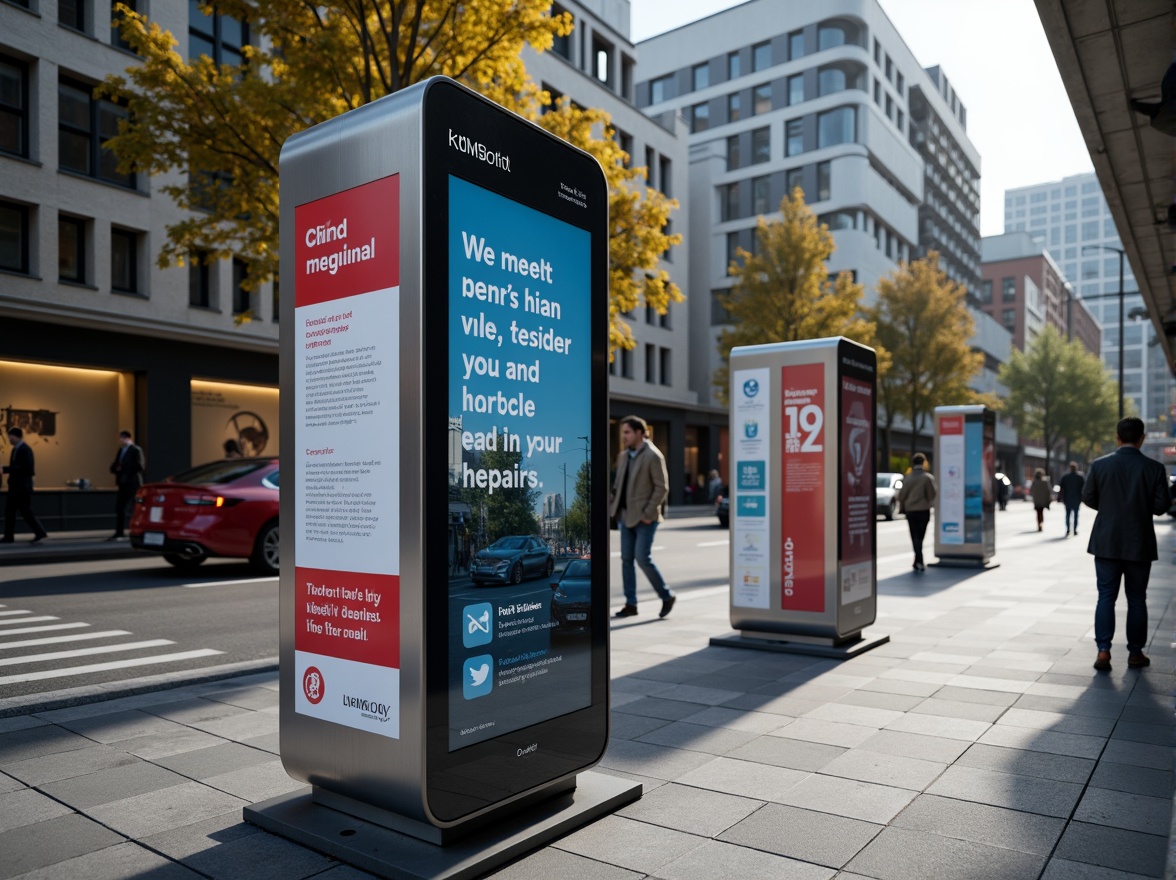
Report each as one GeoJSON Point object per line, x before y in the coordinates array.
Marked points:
{"type": "Point", "coordinates": [965, 465]}
{"type": "Point", "coordinates": [802, 473]}
{"type": "Point", "coordinates": [446, 263]}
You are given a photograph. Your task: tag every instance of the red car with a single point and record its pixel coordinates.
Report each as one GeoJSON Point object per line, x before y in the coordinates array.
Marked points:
{"type": "Point", "coordinates": [223, 508]}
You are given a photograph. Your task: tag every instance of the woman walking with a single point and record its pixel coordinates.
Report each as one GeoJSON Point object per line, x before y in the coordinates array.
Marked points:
{"type": "Point", "coordinates": [917, 496]}
{"type": "Point", "coordinates": [1041, 493]}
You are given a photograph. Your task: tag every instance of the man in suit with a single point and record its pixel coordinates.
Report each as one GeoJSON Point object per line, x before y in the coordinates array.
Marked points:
{"type": "Point", "coordinates": [1127, 489]}
{"type": "Point", "coordinates": [1071, 486]}
{"type": "Point", "coordinates": [128, 476]}
{"type": "Point", "coordinates": [639, 490]}
{"type": "Point", "coordinates": [20, 470]}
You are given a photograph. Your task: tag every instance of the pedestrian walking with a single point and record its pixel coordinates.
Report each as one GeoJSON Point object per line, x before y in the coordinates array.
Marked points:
{"type": "Point", "coordinates": [1042, 494]}
{"type": "Point", "coordinates": [639, 490]}
{"type": "Point", "coordinates": [127, 468]}
{"type": "Point", "coordinates": [21, 469]}
{"type": "Point", "coordinates": [714, 487]}
{"type": "Point", "coordinates": [1127, 489]}
{"type": "Point", "coordinates": [1071, 486]}
{"type": "Point", "coordinates": [917, 497]}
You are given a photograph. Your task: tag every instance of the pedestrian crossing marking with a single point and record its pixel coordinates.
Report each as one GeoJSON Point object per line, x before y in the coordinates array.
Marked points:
{"type": "Point", "coordinates": [56, 640]}
{"type": "Point", "coordinates": [104, 667]}
{"type": "Point", "coordinates": [40, 629]}
{"type": "Point", "coordinates": [84, 652]}
{"type": "Point", "coordinates": [28, 620]}
{"type": "Point", "coordinates": [10, 613]}
{"type": "Point", "coordinates": [231, 583]}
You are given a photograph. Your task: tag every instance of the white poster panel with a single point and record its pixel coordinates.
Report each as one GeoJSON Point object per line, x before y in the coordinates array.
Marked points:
{"type": "Point", "coordinates": [749, 480]}
{"type": "Point", "coordinates": [951, 480]}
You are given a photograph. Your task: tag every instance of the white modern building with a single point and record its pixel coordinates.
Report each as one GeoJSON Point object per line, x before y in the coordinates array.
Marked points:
{"type": "Point", "coordinates": [1070, 218]}
{"type": "Point", "coordinates": [829, 98]}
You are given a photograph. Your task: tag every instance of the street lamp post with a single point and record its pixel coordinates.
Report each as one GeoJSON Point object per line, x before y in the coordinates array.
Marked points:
{"type": "Point", "coordinates": [1122, 254]}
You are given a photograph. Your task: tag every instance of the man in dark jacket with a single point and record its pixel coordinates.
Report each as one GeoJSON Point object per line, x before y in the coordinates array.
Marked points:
{"type": "Point", "coordinates": [20, 470]}
{"type": "Point", "coordinates": [127, 468]}
{"type": "Point", "coordinates": [1127, 489]}
{"type": "Point", "coordinates": [1071, 486]}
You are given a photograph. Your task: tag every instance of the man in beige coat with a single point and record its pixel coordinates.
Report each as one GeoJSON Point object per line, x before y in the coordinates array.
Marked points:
{"type": "Point", "coordinates": [638, 493]}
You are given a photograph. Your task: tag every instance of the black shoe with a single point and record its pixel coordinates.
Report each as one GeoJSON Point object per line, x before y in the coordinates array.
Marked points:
{"type": "Point", "coordinates": [1138, 660]}
{"type": "Point", "coordinates": [627, 611]}
{"type": "Point", "coordinates": [1103, 660]}
{"type": "Point", "coordinates": [667, 606]}
{"type": "Point", "coordinates": [38, 539]}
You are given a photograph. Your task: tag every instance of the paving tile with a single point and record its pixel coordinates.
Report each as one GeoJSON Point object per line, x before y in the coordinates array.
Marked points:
{"type": "Point", "coordinates": [20, 722]}
{"type": "Point", "coordinates": [861, 715]}
{"type": "Point", "coordinates": [752, 722]}
{"type": "Point", "coordinates": [63, 765]}
{"type": "Point", "coordinates": [934, 725]}
{"type": "Point", "coordinates": [1064, 869]}
{"type": "Point", "coordinates": [245, 697]}
{"type": "Point", "coordinates": [782, 752]}
{"type": "Point", "coordinates": [647, 759]}
{"type": "Point", "coordinates": [48, 843]}
{"type": "Point", "coordinates": [1137, 780]}
{"type": "Point", "coordinates": [1156, 734]}
{"type": "Point", "coordinates": [33, 742]}
{"type": "Point", "coordinates": [269, 858]}
{"type": "Point", "coordinates": [655, 707]}
{"type": "Point", "coordinates": [114, 863]}
{"type": "Point", "coordinates": [698, 737]}
{"type": "Point", "coordinates": [1115, 848]}
{"type": "Point", "coordinates": [648, 782]}
{"type": "Point", "coordinates": [745, 778]}
{"type": "Point", "coordinates": [1020, 762]}
{"type": "Point", "coordinates": [1140, 715]}
{"type": "Point", "coordinates": [874, 700]}
{"type": "Point", "coordinates": [157, 811]}
{"type": "Point", "coordinates": [1073, 744]}
{"type": "Point", "coordinates": [1003, 673]}
{"type": "Point", "coordinates": [688, 693]}
{"type": "Point", "coordinates": [113, 784]}
{"type": "Point", "coordinates": [634, 684]}
{"type": "Point", "coordinates": [239, 727]}
{"type": "Point", "coordinates": [622, 726]}
{"type": "Point", "coordinates": [884, 769]}
{"type": "Point", "coordinates": [904, 854]}
{"type": "Point", "coordinates": [1120, 751]}
{"type": "Point", "coordinates": [982, 823]}
{"type": "Point", "coordinates": [256, 783]}
{"type": "Point", "coordinates": [213, 761]}
{"type": "Point", "coordinates": [803, 834]}
{"type": "Point", "coordinates": [784, 706]}
{"type": "Point", "coordinates": [916, 745]}
{"type": "Point", "coordinates": [1057, 722]}
{"type": "Point", "coordinates": [27, 807]}
{"type": "Point", "coordinates": [161, 745]}
{"type": "Point", "coordinates": [689, 809]}
{"type": "Point", "coordinates": [972, 695]}
{"type": "Point", "coordinates": [830, 733]}
{"type": "Point", "coordinates": [119, 726]}
{"type": "Point", "coordinates": [848, 797]}
{"type": "Point", "coordinates": [188, 840]}
{"type": "Point", "coordinates": [1069, 706]}
{"type": "Point", "coordinates": [1120, 809]}
{"type": "Point", "coordinates": [1046, 797]}
{"type": "Point", "coordinates": [550, 862]}
{"type": "Point", "coordinates": [905, 688]}
{"type": "Point", "coordinates": [959, 709]}
{"type": "Point", "coordinates": [8, 783]}
{"type": "Point", "coordinates": [629, 844]}
{"type": "Point", "coordinates": [986, 683]}
{"type": "Point", "coordinates": [718, 859]}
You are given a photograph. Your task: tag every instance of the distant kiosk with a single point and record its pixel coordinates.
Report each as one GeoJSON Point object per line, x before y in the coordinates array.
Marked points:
{"type": "Point", "coordinates": [444, 337]}
{"type": "Point", "coordinates": [965, 465]}
{"type": "Point", "coordinates": [802, 473]}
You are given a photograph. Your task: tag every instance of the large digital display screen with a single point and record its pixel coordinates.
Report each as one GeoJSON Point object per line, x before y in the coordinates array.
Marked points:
{"type": "Point", "coordinates": [519, 524]}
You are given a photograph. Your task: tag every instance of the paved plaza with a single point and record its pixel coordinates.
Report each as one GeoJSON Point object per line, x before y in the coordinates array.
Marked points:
{"type": "Point", "coordinates": [978, 743]}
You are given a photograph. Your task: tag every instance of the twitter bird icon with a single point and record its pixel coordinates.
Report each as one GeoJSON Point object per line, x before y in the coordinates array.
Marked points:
{"type": "Point", "coordinates": [476, 676]}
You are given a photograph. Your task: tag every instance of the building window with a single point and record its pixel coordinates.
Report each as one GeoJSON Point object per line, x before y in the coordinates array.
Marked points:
{"type": "Point", "coordinates": [659, 89]}
{"type": "Point", "coordinates": [759, 196]}
{"type": "Point", "coordinates": [899, 120]}
{"type": "Point", "coordinates": [761, 146]}
{"type": "Point", "coordinates": [793, 178]}
{"type": "Point", "coordinates": [732, 250]}
{"type": "Point", "coordinates": [1008, 317]}
{"type": "Point", "coordinates": [14, 237]}
{"type": "Point", "coordinates": [761, 99]}
{"type": "Point", "coordinates": [561, 46]}
{"type": "Point", "coordinates": [899, 83]}
{"type": "Point", "coordinates": [72, 14]}
{"type": "Point", "coordinates": [890, 108]}
{"type": "Point", "coordinates": [795, 45]}
{"type": "Point", "coordinates": [733, 107]}
{"type": "Point", "coordinates": [824, 181]}
{"type": "Point", "coordinates": [650, 363]}
{"type": "Point", "coordinates": [761, 57]}
{"type": "Point", "coordinates": [878, 93]}
{"type": "Point", "coordinates": [124, 261]}
{"type": "Point", "coordinates": [734, 66]}
{"type": "Point", "coordinates": [830, 36]}
{"type": "Point", "coordinates": [602, 54]}
{"type": "Point", "coordinates": [14, 106]}
{"type": "Point", "coordinates": [85, 124]}
{"type": "Point", "coordinates": [241, 298]}
{"type": "Point", "coordinates": [734, 159]}
{"type": "Point", "coordinates": [665, 175]}
{"type": "Point", "coordinates": [667, 375]}
{"type": "Point", "coordinates": [627, 363]}
{"type": "Point", "coordinates": [700, 117]}
{"type": "Point", "coordinates": [71, 249]}
{"type": "Point", "coordinates": [793, 137]}
{"type": "Point", "coordinates": [889, 69]}
{"type": "Point", "coordinates": [877, 53]}
{"type": "Point", "coordinates": [986, 292]}
{"type": "Point", "coordinates": [1008, 289]}
{"type": "Point", "coordinates": [700, 76]}
{"type": "Point", "coordinates": [218, 36]}
{"type": "Point", "coordinates": [729, 196]}
{"type": "Point", "coordinates": [831, 80]}
{"type": "Point", "coordinates": [199, 280]}
{"type": "Point", "coordinates": [836, 127]}
{"type": "Point", "coordinates": [277, 302]}
{"type": "Point", "coordinates": [796, 89]}
{"type": "Point", "coordinates": [625, 142]}
{"type": "Point", "coordinates": [116, 38]}
{"type": "Point", "coordinates": [719, 313]}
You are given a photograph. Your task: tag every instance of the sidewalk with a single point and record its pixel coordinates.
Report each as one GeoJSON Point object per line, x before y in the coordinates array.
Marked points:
{"type": "Point", "coordinates": [64, 547]}
{"type": "Point", "coordinates": [978, 743]}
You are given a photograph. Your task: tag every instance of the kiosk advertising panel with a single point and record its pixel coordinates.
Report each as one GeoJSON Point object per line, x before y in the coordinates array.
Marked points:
{"type": "Point", "coordinates": [751, 462]}
{"type": "Point", "coordinates": [857, 518]}
{"type": "Point", "coordinates": [965, 520]}
{"type": "Point", "coordinates": [802, 459]}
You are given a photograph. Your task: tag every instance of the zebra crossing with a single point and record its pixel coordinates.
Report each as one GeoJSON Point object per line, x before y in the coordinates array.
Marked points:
{"type": "Point", "coordinates": [29, 663]}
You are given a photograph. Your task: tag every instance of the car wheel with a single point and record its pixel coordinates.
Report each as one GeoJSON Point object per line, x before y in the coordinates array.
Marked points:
{"type": "Point", "coordinates": [184, 561]}
{"type": "Point", "coordinates": [516, 573]}
{"type": "Point", "coordinates": [890, 511]}
{"type": "Point", "coordinates": [550, 566]}
{"type": "Point", "coordinates": [266, 556]}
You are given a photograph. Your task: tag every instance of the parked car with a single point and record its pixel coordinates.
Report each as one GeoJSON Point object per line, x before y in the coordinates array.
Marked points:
{"type": "Point", "coordinates": [886, 488]}
{"type": "Point", "coordinates": [571, 597]}
{"type": "Point", "coordinates": [723, 507]}
{"type": "Point", "coordinates": [223, 508]}
{"type": "Point", "coordinates": [511, 559]}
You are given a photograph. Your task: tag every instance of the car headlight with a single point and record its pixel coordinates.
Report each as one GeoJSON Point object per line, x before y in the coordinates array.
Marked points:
{"type": "Point", "coordinates": [560, 594]}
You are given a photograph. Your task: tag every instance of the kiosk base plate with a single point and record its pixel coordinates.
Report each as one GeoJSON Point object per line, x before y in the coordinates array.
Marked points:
{"type": "Point", "coordinates": [963, 562]}
{"type": "Point", "coordinates": [779, 643]}
{"type": "Point", "coordinates": [392, 854]}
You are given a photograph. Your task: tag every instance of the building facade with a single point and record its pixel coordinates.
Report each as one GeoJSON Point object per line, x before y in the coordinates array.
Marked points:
{"type": "Point", "coordinates": [94, 336]}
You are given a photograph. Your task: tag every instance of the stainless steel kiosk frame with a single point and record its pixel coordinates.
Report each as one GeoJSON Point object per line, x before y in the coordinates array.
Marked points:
{"type": "Point", "coordinates": [964, 465]}
{"type": "Point", "coordinates": [802, 471]}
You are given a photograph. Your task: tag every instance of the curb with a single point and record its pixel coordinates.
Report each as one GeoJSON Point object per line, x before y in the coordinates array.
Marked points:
{"type": "Point", "coordinates": [32, 704]}
{"type": "Point", "coordinates": [75, 553]}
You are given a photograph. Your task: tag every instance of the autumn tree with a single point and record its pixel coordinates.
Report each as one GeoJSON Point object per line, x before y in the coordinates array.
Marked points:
{"type": "Point", "coordinates": [922, 320]}
{"type": "Point", "coordinates": [509, 511]}
{"type": "Point", "coordinates": [783, 293]}
{"type": "Point", "coordinates": [217, 130]}
{"type": "Point", "coordinates": [1058, 391]}
{"type": "Point", "coordinates": [578, 520]}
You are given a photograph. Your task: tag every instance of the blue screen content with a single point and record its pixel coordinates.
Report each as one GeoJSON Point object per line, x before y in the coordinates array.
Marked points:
{"type": "Point", "coordinates": [519, 483]}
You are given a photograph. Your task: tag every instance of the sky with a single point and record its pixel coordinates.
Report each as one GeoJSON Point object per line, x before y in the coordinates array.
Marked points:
{"type": "Point", "coordinates": [998, 60]}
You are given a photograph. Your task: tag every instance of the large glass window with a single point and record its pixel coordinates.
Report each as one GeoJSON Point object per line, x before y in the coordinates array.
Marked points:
{"type": "Point", "coordinates": [761, 56]}
{"type": "Point", "coordinates": [830, 80]}
{"type": "Point", "coordinates": [71, 249]}
{"type": "Point", "coordinates": [734, 66]}
{"type": "Point", "coordinates": [986, 292]}
{"type": "Point", "coordinates": [793, 178]}
{"type": "Point", "coordinates": [14, 106]}
{"type": "Point", "coordinates": [761, 146]}
{"type": "Point", "coordinates": [199, 280]}
{"type": "Point", "coordinates": [700, 117]}
{"type": "Point", "coordinates": [795, 45]}
{"type": "Point", "coordinates": [836, 127]}
{"type": "Point", "coordinates": [830, 36]}
{"type": "Point", "coordinates": [760, 199]}
{"type": "Point", "coordinates": [1008, 289]}
{"type": "Point", "coordinates": [124, 268]}
{"type": "Point", "coordinates": [734, 108]}
{"type": "Point", "coordinates": [218, 36]}
{"type": "Point", "coordinates": [793, 137]}
{"type": "Point", "coordinates": [561, 46]}
{"type": "Point", "coordinates": [700, 76]}
{"type": "Point", "coordinates": [85, 124]}
{"type": "Point", "coordinates": [72, 13]}
{"type": "Point", "coordinates": [824, 181]}
{"type": "Point", "coordinates": [241, 297]}
{"type": "Point", "coordinates": [14, 237]}
{"type": "Point", "coordinates": [734, 157]}
{"type": "Point", "coordinates": [796, 89]}
{"type": "Point", "coordinates": [659, 89]}
{"type": "Point", "coordinates": [729, 197]}
{"type": "Point", "coordinates": [761, 99]}
{"type": "Point", "coordinates": [116, 38]}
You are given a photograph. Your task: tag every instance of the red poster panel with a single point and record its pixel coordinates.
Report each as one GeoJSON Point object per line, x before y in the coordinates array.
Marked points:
{"type": "Point", "coordinates": [949, 425]}
{"type": "Point", "coordinates": [802, 583]}
{"type": "Point", "coordinates": [857, 490]}
{"type": "Point", "coordinates": [348, 615]}
{"type": "Point", "coordinates": [348, 243]}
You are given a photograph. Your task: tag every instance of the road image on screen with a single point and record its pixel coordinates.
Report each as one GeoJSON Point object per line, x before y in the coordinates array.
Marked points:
{"type": "Point", "coordinates": [519, 419]}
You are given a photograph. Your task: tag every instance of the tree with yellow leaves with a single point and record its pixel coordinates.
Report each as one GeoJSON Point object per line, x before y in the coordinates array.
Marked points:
{"type": "Point", "coordinates": [218, 129]}
{"type": "Point", "coordinates": [783, 293]}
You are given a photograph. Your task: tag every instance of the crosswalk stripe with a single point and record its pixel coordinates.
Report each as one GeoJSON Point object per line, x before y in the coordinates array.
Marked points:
{"type": "Point", "coordinates": [10, 613]}
{"type": "Point", "coordinates": [28, 620]}
{"type": "Point", "coordinates": [103, 667]}
{"type": "Point", "coordinates": [231, 583]}
{"type": "Point", "coordinates": [84, 652]}
{"type": "Point", "coordinates": [40, 629]}
{"type": "Point", "coordinates": [56, 640]}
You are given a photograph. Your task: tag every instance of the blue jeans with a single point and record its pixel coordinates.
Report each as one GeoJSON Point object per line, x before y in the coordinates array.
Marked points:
{"type": "Point", "coordinates": [636, 543]}
{"type": "Point", "coordinates": [1072, 510]}
{"type": "Point", "coordinates": [1134, 576]}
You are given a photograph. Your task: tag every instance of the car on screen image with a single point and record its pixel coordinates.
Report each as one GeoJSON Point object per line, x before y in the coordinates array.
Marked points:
{"type": "Point", "coordinates": [571, 598]}
{"type": "Point", "coordinates": [224, 508]}
{"type": "Point", "coordinates": [512, 560]}
{"type": "Point", "coordinates": [886, 488]}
